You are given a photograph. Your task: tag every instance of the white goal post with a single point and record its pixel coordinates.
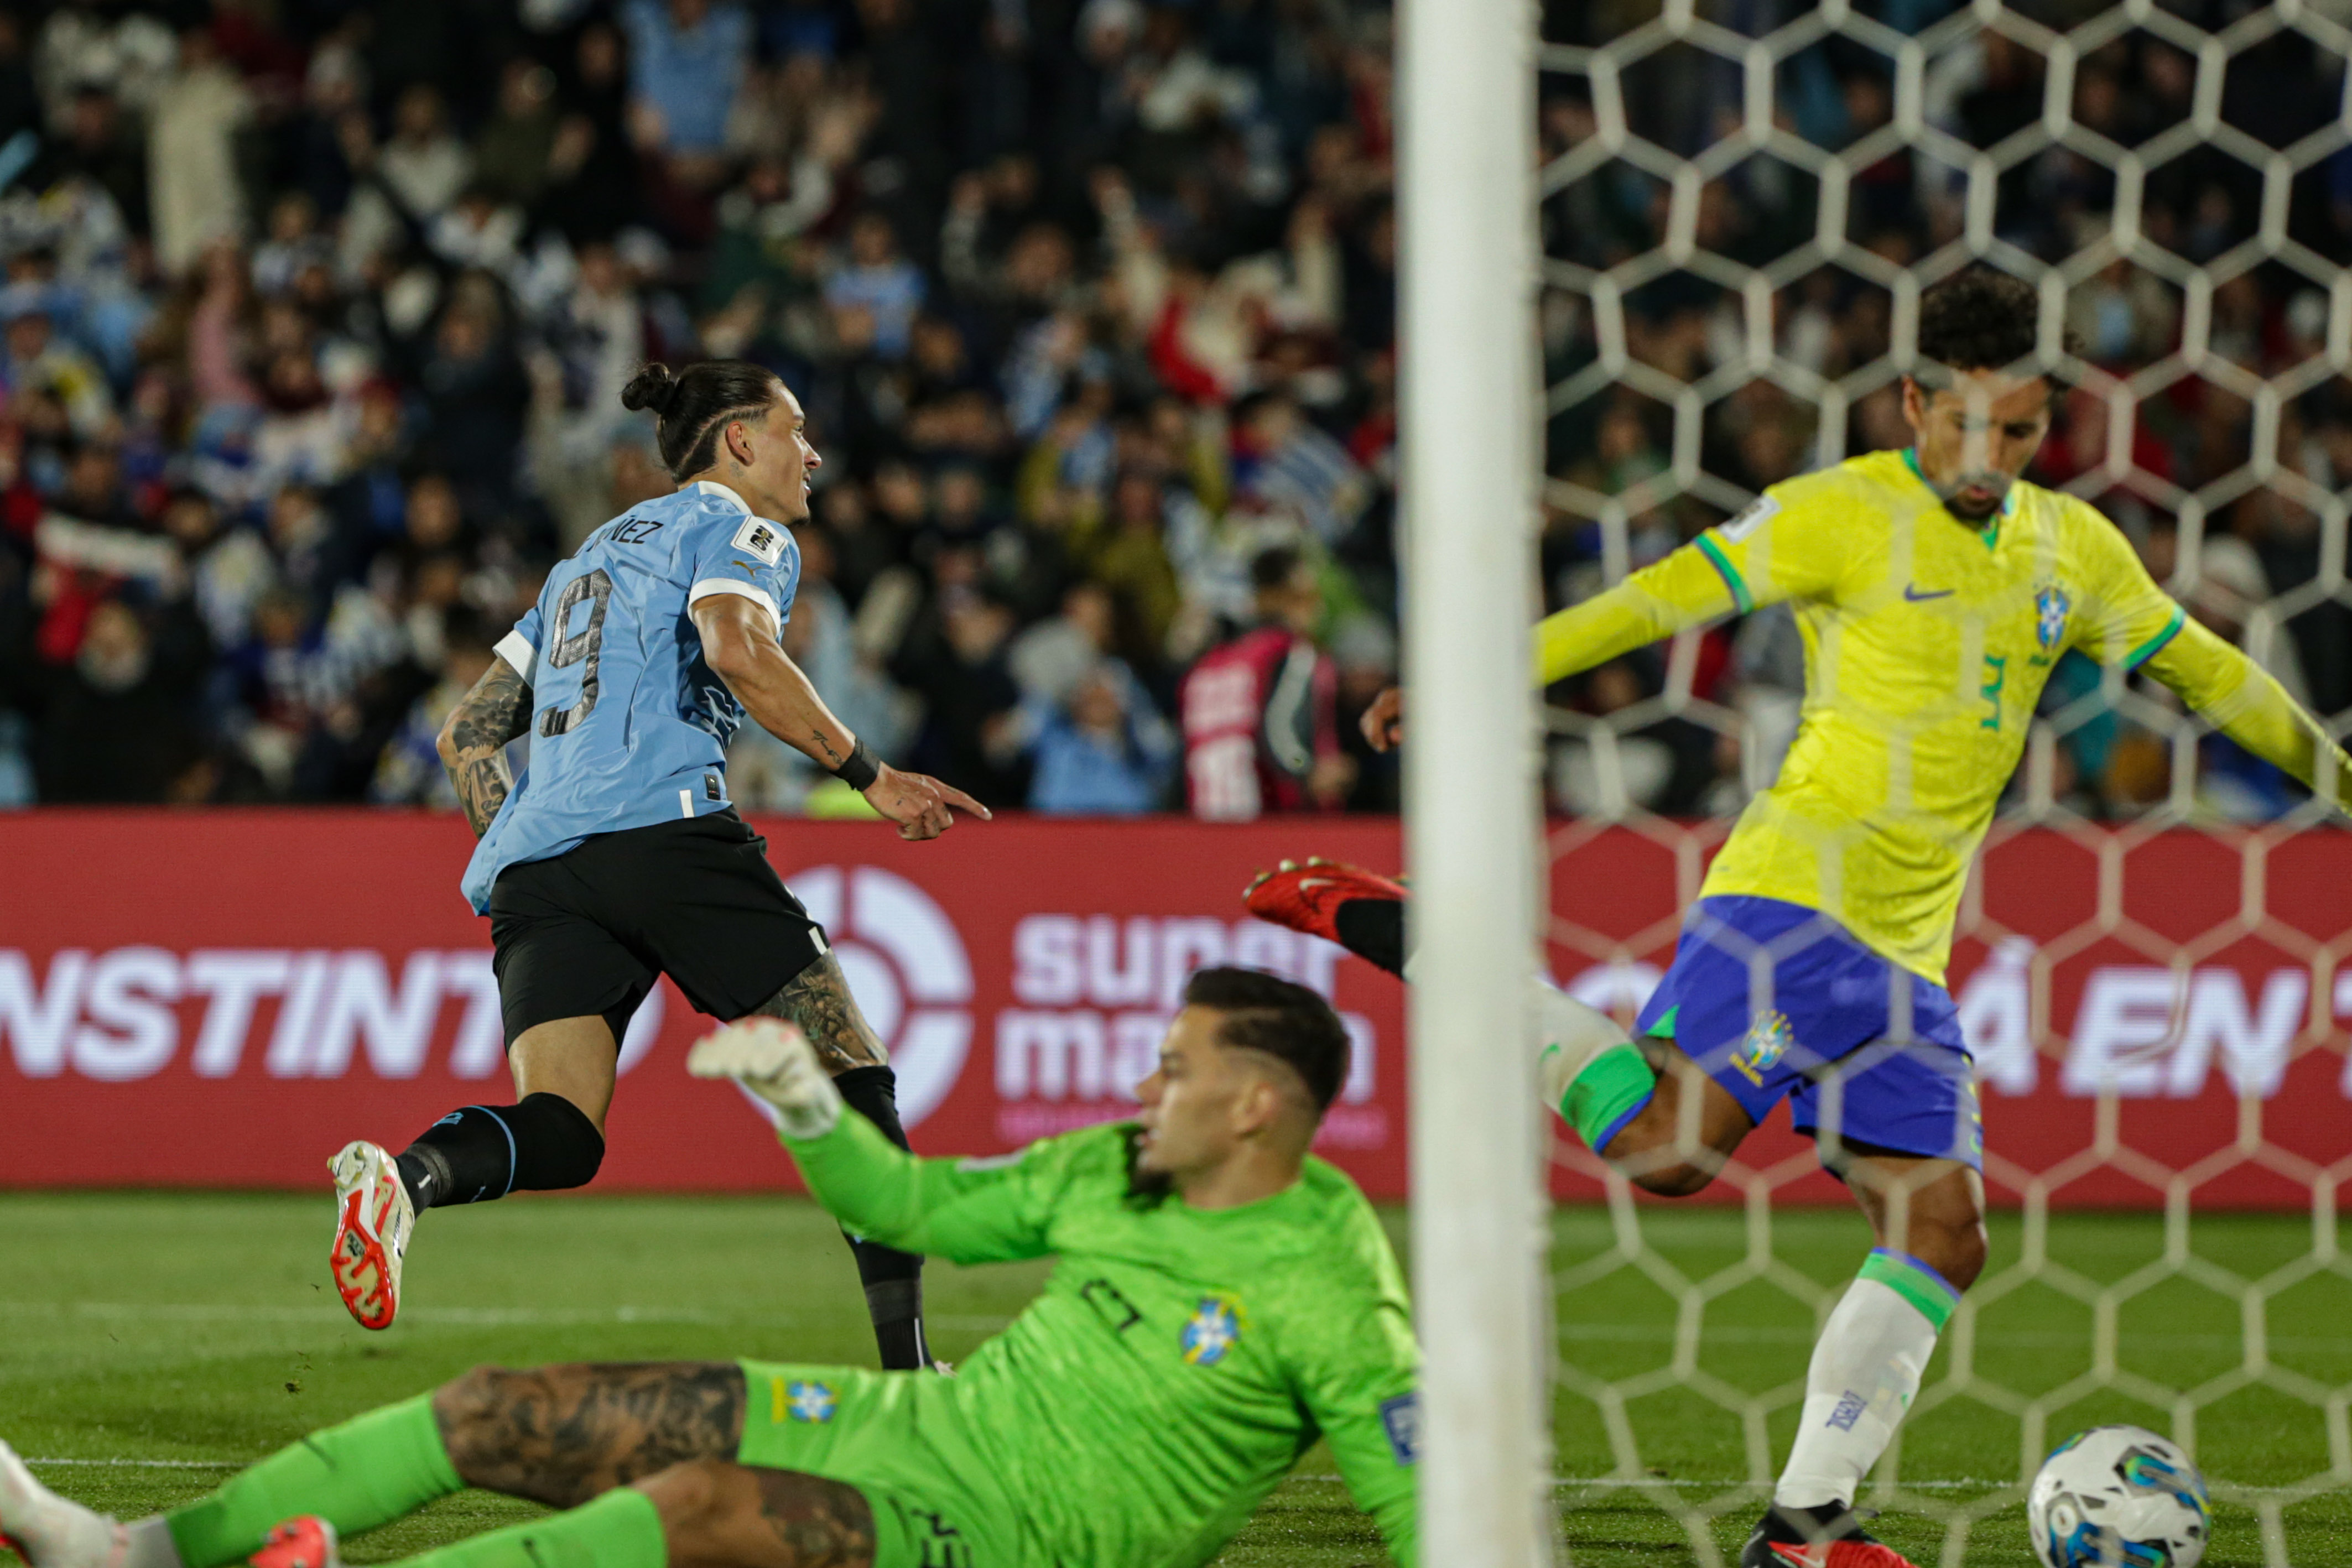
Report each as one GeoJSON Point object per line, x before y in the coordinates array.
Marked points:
{"type": "Point", "coordinates": [1467, 269]}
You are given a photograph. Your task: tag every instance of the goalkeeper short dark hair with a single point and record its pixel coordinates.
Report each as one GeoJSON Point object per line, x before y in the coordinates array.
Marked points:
{"type": "Point", "coordinates": [1286, 1021]}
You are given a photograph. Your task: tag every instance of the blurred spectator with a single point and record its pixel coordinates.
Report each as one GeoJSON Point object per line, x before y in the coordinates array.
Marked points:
{"type": "Point", "coordinates": [1127, 552]}
{"type": "Point", "coordinates": [1664, 766]}
{"type": "Point", "coordinates": [39, 361]}
{"type": "Point", "coordinates": [191, 155]}
{"type": "Point", "coordinates": [101, 147]}
{"type": "Point", "coordinates": [114, 725]}
{"type": "Point", "coordinates": [476, 393]}
{"type": "Point", "coordinates": [227, 569]}
{"type": "Point", "coordinates": [879, 281]}
{"type": "Point", "coordinates": [1261, 730]}
{"type": "Point", "coordinates": [687, 60]}
{"type": "Point", "coordinates": [1102, 751]}
{"type": "Point", "coordinates": [404, 184]}
{"type": "Point", "coordinates": [294, 244]}
{"type": "Point", "coordinates": [282, 686]}
{"type": "Point", "coordinates": [1052, 656]}
{"type": "Point", "coordinates": [409, 772]}
{"type": "Point", "coordinates": [972, 732]}
{"type": "Point", "coordinates": [515, 149]}
{"type": "Point", "coordinates": [1282, 461]}
{"type": "Point", "coordinates": [1091, 305]}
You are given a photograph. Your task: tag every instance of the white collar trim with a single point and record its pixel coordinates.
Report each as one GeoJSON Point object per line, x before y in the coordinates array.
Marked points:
{"type": "Point", "coordinates": [713, 487]}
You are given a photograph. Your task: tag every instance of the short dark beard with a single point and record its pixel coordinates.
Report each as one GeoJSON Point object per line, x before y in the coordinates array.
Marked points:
{"type": "Point", "coordinates": [1951, 501]}
{"type": "Point", "coordinates": [1144, 1189]}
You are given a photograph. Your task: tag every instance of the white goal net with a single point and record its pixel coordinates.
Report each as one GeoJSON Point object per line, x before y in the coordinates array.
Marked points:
{"type": "Point", "coordinates": [1741, 203]}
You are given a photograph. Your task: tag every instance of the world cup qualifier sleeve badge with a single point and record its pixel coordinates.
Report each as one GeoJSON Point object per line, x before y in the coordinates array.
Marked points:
{"type": "Point", "coordinates": [1768, 1039]}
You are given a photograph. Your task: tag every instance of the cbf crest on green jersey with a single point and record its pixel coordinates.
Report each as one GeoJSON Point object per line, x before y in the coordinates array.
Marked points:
{"type": "Point", "coordinates": [629, 726]}
{"type": "Point", "coordinates": [1212, 1331]}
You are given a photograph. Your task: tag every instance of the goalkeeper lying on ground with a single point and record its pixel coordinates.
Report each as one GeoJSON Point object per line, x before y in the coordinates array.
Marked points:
{"type": "Point", "coordinates": [1221, 1300]}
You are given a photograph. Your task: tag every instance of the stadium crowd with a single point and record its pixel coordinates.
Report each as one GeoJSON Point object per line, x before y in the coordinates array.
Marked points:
{"type": "Point", "coordinates": [2269, 571]}
{"type": "Point", "coordinates": [317, 313]}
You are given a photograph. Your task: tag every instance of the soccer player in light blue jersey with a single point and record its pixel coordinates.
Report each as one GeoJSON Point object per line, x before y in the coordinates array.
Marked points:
{"type": "Point", "coordinates": [616, 857]}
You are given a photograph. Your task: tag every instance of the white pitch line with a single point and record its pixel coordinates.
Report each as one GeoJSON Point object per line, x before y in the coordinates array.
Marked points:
{"type": "Point", "coordinates": [1662, 1483]}
{"type": "Point", "coordinates": [1665, 1483]}
{"type": "Point", "coordinates": [148, 1464]}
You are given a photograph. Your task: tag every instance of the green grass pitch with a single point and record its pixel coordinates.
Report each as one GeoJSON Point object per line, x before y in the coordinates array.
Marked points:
{"type": "Point", "coordinates": [156, 1340]}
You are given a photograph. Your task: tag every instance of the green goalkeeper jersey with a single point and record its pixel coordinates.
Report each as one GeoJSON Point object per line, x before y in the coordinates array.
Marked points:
{"type": "Point", "coordinates": [1178, 1360]}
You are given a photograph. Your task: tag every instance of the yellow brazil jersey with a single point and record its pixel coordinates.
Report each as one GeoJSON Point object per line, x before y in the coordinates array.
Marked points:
{"type": "Point", "coordinates": [1927, 641]}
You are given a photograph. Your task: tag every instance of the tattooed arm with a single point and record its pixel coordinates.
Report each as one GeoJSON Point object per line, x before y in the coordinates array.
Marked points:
{"type": "Point", "coordinates": [818, 999]}
{"type": "Point", "coordinates": [738, 642]}
{"type": "Point", "coordinates": [473, 743]}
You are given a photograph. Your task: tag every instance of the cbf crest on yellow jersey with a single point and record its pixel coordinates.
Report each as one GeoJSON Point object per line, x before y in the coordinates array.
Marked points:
{"type": "Point", "coordinates": [1927, 641]}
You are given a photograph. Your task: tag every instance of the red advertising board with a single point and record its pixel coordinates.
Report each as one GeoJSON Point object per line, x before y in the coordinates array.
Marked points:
{"type": "Point", "coordinates": [226, 997]}
{"type": "Point", "coordinates": [223, 998]}
{"type": "Point", "coordinates": [2149, 1011]}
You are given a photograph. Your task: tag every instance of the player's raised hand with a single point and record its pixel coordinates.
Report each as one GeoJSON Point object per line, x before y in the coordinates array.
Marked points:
{"type": "Point", "coordinates": [922, 806]}
{"type": "Point", "coordinates": [1383, 722]}
{"type": "Point", "coordinates": [774, 1061]}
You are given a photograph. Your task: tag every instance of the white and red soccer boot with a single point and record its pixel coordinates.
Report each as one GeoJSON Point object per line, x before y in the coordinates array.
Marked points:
{"type": "Point", "coordinates": [305, 1540]}
{"type": "Point", "coordinates": [1829, 1536]}
{"type": "Point", "coordinates": [373, 1221]}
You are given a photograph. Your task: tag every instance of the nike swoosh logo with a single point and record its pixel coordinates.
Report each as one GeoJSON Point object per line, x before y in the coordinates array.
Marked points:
{"type": "Point", "coordinates": [1911, 592]}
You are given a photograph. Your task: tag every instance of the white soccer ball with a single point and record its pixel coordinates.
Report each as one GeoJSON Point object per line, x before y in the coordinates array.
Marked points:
{"type": "Point", "coordinates": [2118, 1497]}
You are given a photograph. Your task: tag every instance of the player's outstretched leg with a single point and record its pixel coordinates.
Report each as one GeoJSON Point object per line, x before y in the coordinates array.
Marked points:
{"type": "Point", "coordinates": [1360, 910]}
{"type": "Point", "coordinates": [621, 1529]}
{"type": "Point", "coordinates": [557, 1435]}
{"type": "Point", "coordinates": [366, 1472]}
{"type": "Point", "coordinates": [1593, 1075]}
{"type": "Point", "coordinates": [51, 1531]}
{"type": "Point", "coordinates": [552, 1138]}
{"type": "Point", "coordinates": [818, 1000]}
{"type": "Point", "coordinates": [708, 1514]}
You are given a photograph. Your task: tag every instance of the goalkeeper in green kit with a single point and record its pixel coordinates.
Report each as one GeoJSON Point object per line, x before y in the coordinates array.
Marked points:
{"type": "Point", "coordinates": [1221, 1300]}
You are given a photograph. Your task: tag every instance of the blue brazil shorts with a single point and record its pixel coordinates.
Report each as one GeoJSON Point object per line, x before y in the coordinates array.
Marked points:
{"type": "Point", "coordinates": [1773, 999]}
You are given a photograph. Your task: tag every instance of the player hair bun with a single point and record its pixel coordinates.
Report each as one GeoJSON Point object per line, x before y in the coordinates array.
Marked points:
{"type": "Point", "coordinates": [653, 387]}
{"type": "Point", "coordinates": [696, 402]}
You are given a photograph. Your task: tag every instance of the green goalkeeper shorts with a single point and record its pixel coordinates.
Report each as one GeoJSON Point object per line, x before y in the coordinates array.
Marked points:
{"type": "Point", "coordinates": [902, 1441]}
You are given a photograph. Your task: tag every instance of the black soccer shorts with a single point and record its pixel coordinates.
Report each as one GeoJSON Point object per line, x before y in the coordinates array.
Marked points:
{"type": "Point", "coordinates": [590, 930]}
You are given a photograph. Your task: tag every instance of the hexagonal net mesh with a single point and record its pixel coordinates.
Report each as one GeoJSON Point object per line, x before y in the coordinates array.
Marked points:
{"type": "Point", "coordinates": [1743, 202]}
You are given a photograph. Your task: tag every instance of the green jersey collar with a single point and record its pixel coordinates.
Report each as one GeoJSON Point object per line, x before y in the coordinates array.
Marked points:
{"type": "Point", "coordinates": [1990, 532]}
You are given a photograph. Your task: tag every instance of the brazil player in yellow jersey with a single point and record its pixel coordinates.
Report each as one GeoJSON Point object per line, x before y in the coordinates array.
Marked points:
{"type": "Point", "coordinates": [1935, 590]}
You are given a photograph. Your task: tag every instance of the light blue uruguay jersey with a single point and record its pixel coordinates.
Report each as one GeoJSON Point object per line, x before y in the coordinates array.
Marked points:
{"type": "Point", "coordinates": [629, 726]}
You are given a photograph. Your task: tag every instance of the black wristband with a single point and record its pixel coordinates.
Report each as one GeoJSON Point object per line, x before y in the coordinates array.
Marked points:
{"type": "Point", "coordinates": [862, 768]}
